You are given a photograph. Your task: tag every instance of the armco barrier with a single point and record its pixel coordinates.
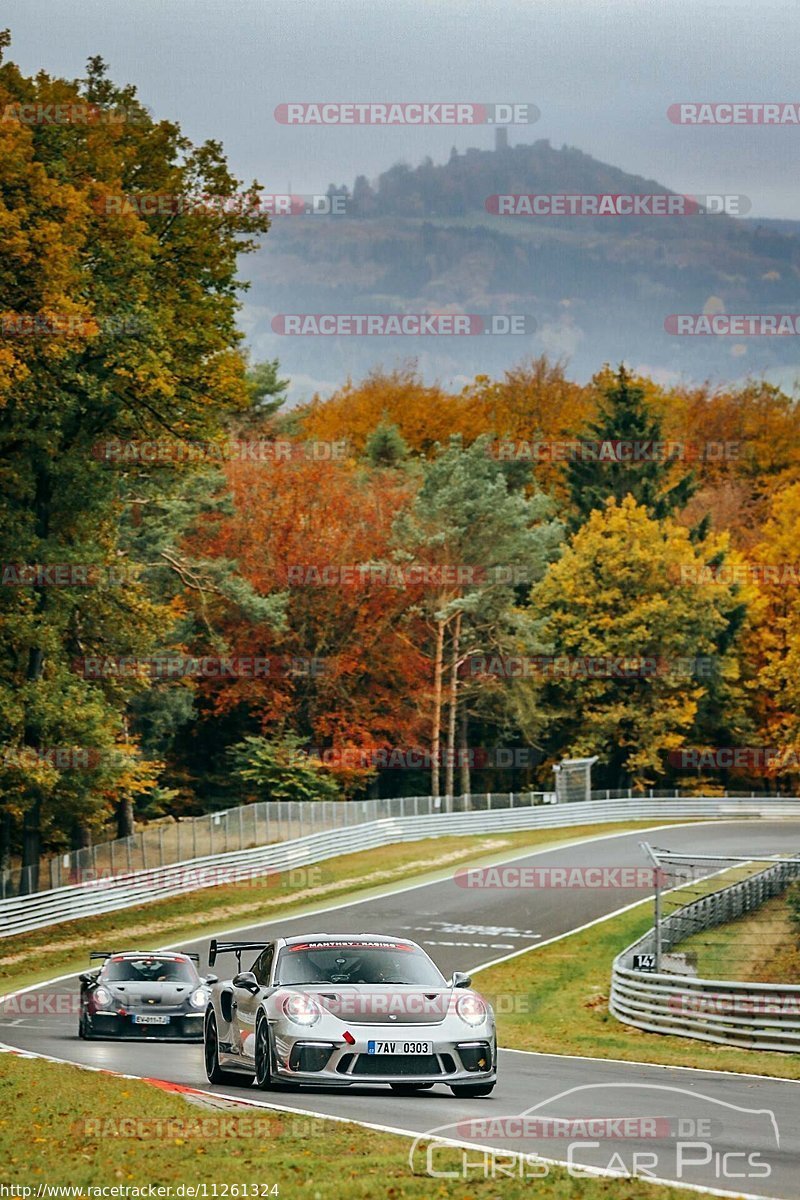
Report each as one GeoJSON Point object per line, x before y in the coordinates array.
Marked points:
{"type": "Point", "coordinates": [161, 843]}
{"type": "Point", "coordinates": [24, 913]}
{"type": "Point", "coordinates": [755, 1016]}
{"type": "Point", "coordinates": [244, 827]}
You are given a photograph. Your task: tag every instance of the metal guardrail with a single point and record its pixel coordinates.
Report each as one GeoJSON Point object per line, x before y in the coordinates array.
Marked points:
{"type": "Point", "coordinates": [241, 828]}
{"type": "Point", "coordinates": [24, 913]}
{"type": "Point", "coordinates": [244, 826]}
{"type": "Point", "coordinates": [756, 1016]}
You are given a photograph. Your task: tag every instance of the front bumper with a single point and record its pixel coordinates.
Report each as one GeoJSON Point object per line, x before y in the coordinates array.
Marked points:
{"type": "Point", "coordinates": [182, 1026]}
{"type": "Point", "coordinates": [471, 1058]}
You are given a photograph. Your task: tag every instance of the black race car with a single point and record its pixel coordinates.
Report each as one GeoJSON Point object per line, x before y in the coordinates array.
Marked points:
{"type": "Point", "coordinates": [143, 994]}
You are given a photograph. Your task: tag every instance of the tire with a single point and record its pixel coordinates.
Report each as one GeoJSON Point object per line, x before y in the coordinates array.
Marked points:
{"type": "Point", "coordinates": [82, 1034]}
{"type": "Point", "coordinates": [263, 1063]}
{"type": "Point", "coordinates": [263, 1056]}
{"type": "Point", "coordinates": [469, 1090]}
{"type": "Point", "coordinates": [214, 1071]}
{"type": "Point", "coordinates": [408, 1089]}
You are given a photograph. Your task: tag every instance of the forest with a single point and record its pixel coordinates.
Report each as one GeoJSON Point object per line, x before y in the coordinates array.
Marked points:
{"type": "Point", "coordinates": [211, 597]}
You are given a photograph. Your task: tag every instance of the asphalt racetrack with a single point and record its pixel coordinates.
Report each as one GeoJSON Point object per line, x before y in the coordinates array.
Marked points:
{"type": "Point", "coordinates": [739, 1134]}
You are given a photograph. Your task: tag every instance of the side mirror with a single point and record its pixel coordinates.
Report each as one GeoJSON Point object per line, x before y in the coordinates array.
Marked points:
{"type": "Point", "coordinates": [461, 980]}
{"type": "Point", "coordinates": [86, 978]}
{"type": "Point", "coordinates": [211, 979]}
{"type": "Point", "coordinates": [247, 981]}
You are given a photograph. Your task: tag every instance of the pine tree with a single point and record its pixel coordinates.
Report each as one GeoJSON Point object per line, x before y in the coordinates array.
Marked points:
{"type": "Point", "coordinates": [385, 446]}
{"type": "Point", "coordinates": [625, 417]}
{"type": "Point", "coordinates": [466, 515]}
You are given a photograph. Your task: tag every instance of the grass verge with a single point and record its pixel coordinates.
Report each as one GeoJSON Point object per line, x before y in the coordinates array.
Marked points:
{"type": "Point", "coordinates": [761, 947]}
{"type": "Point", "coordinates": [61, 1126]}
{"type": "Point", "coordinates": [33, 957]}
{"type": "Point", "coordinates": [567, 983]}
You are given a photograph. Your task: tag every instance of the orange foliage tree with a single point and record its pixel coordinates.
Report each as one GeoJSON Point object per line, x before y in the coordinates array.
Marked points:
{"type": "Point", "coordinates": [349, 675]}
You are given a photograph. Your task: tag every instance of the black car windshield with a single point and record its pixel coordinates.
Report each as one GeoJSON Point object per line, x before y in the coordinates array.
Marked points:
{"type": "Point", "coordinates": [149, 969]}
{"type": "Point", "coordinates": [356, 962]}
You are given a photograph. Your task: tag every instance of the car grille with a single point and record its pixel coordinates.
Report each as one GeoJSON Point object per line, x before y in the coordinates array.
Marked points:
{"type": "Point", "coordinates": [475, 1056]}
{"type": "Point", "coordinates": [310, 1057]}
{"type": "Point", "coordinates": [397, 1064]}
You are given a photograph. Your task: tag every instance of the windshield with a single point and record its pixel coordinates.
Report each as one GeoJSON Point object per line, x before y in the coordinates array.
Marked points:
{"type": "Point", "coordinates": [150, 969]}
{"type": "Point", "coordinates": [357, 962]}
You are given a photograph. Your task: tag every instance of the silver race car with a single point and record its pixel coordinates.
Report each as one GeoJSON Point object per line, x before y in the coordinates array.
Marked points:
{"type": "Point", "coordinates": [143, 994]}
{"type": "Point", "coordinates": [345, 1009]}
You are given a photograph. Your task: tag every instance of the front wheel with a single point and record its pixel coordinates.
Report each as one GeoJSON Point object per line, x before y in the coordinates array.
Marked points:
{"type": "Point", "coordinates": [408, 1089]}
{"type": "Point", "coordinates": [263, 1056]}
{"type": "Point", "coordinates": [214, 1071]}
{"type": "Point", "coordinates": [468, 1090]}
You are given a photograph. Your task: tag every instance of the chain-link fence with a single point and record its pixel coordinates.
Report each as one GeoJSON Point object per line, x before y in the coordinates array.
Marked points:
{"type": "Point", "coordinates": [695, 973]}
{"type": "Point", "coordinates": [165, 842]}
{"type": "Point", "coordinates": [697, 895]}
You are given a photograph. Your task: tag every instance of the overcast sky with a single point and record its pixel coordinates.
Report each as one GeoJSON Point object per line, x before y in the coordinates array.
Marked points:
{"type": "Point", "coordinates": [602, 72]}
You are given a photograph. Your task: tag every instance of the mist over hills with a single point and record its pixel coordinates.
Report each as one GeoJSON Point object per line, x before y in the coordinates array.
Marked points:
{"type": "Point", "coordinates": [420, 239]}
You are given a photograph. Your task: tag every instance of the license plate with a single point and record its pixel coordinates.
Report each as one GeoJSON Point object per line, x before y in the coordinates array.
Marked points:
{"type": "Point", "coordinates": [147, 1019]}
{"type": "Point", "coordinates": [399, 1048]}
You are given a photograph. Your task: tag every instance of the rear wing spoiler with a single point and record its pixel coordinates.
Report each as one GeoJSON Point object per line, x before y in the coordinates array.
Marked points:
{"type": "Point", "coordinates": [104, 954]}
{"type": "Point", "coordinates": [236, 948]}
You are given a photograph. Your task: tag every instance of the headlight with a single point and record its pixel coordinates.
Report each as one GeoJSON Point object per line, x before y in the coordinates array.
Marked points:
{"type": "Point", "coordinates": [471, 1009]}
{"type": "Point", "coordinates": [199, 998]}
{"type": "Point", "coordinates": [301, 1009]}
{"type": "Point", "coordinates": [103, 997]}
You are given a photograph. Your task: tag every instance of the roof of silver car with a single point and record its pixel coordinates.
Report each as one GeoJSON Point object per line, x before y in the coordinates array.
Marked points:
{"type": "Point", "coordinates": [345, 937]}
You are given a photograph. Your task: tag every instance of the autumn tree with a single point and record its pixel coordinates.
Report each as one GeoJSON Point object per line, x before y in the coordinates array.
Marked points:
{"type": "Point", "coordinates": [346, 671]}
{"type": "Point", "coordinates": [120, 323]}
{"type": "Point", "coordinates": [635, 632]}
{"type": "Point", "coordinates": [746, 446]}
{"type": "Point", "coordinates": [423, 414]}
{"type": "Point", "coordinates": [775, 644]}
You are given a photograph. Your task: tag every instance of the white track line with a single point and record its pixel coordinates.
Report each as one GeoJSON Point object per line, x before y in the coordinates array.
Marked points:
{"type": "Point", "coordinates": [405, 1132]}
{"type": "Point", "coordinates": [248, 1102]}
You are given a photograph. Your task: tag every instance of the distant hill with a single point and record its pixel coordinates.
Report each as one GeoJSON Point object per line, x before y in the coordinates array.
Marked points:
{"type": "Point", "coordinates": [421, 239]}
